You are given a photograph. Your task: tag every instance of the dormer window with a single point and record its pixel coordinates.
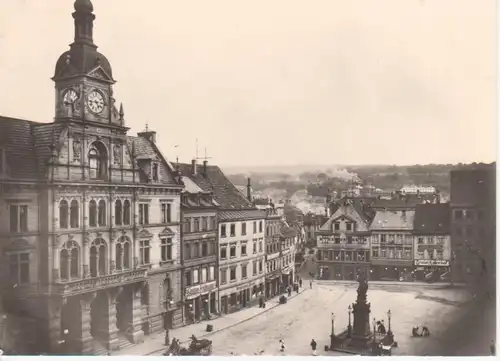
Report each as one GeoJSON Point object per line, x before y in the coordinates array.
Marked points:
{"type": "Point", "coordinates": [155, 172]}
{"type": "Point", "coordinates": [98, 161]}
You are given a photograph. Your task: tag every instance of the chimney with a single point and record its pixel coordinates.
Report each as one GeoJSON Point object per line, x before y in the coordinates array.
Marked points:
{"type": "Point", "coordinates": [249, 190]}
{"type": "Point", "coordinates": [205, 164]}
{"type": "Point", "coordinates": [193, 166]}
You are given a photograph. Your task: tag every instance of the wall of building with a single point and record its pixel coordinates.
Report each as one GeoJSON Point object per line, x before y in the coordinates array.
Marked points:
{"type": "Point", "coordinates": [248, 249]}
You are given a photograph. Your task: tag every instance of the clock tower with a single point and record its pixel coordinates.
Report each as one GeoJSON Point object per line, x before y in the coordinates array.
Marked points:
{"type": "Point", "coordinates": [84, 78]}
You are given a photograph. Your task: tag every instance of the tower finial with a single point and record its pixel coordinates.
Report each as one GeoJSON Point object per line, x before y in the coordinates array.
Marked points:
{"type": "Point", "coordinates": [84, 22]}
{"type": "Point", "coordinates": [83, 6]}
{"type": "Point", "coordinates": [147, 127]}
{"type": "Point", "coordinates": [121, 111]}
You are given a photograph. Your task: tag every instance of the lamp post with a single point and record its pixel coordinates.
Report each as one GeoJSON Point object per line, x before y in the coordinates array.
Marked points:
{"type": "Point", "coordinates": [390, 335]}
{"type": "Point", "coordinates": [349, 327]}
{"type": "Point", "coordinates": [374, 327]}
{"type": "Point", "coordinates": [332, 336]}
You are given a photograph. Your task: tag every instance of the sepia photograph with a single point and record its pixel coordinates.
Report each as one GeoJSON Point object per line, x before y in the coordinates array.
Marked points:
{"type": "Point", "coordinates": [248, 178]}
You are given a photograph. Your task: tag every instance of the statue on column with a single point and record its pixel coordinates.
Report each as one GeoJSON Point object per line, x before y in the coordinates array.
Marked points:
{"type": "Point", "coordinates": [362, 289]}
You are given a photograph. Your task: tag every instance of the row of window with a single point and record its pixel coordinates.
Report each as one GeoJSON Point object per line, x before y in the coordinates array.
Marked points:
{"type": "Point", "coordinates": [392, 253]}
{"type": "Point", "coordinates": [430, 254]}
{"type": "Point", "coordinates": [232, 229]}
{"type": "Point", "coordinates": [192, 276]}
{"type": "Point", "coordinates": [272, 229]}
{"type": "Point", "coordinates": [393, 238]}
{"type": "Point", "coordinates": [348, 256]}
{"type": "Point", "coordinates": [272, 247]}
{"type": "Point", "coordinates": [70, 256]}
{"type": "Point", "coordinates": [256, 265]}
{"type": "Point", "coordinates": [199, 224]}
{"type": "Point", "coordinates": [69, 214]}
{"type": "Point", "coordinates": [70, 259]}
{"type": "Point", "coordinates": [243, 248]}
{"type": "Point", "coordinates": [201, 248]}
{"type": "Point", "coordinates": [430, 240]}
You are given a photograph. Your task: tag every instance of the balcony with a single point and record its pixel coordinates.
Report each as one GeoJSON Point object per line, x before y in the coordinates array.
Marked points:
{"type": "Point", "coordinates": [100, 283]}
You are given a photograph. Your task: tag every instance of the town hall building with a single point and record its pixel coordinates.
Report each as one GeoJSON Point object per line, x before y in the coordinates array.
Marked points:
{"type": "Point", "coordinates": [89, 217]}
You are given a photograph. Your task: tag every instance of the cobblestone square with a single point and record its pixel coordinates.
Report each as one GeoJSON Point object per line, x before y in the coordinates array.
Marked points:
{"type": "Point", "coordinates": [308, 315]}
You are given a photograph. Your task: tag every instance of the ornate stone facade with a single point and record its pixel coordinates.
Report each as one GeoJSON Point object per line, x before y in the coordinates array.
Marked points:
{"type": "Point", "coordinates": [89, 216]}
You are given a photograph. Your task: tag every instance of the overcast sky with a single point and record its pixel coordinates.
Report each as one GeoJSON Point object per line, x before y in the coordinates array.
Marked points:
{"type": "Point", "coordinates": [267, 82]}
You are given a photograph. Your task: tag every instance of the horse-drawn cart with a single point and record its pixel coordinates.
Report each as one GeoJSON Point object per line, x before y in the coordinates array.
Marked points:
{"type": "Point", "coordinates": [196, 348]}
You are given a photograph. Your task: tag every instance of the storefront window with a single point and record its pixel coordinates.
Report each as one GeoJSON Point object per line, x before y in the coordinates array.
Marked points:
{"type": "Point", "coordinates": [337, 255]}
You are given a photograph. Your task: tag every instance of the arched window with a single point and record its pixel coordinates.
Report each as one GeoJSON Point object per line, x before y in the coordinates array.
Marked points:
{"type": "Point", "coordinates": [63, 214]}
{"type": "Point", "coordinates": [118, 213]}
{"type": "Point", "coordinates": [126, 212]}
{"type": "Point", "coordinates": [98, 161]}
{"type": "Point", "coordinates": [101, 218]}
{"type": "Point", "coordinates": [74, 214]}
{"type": "Point", "coordinates": [98, 258]}
{"type": "Point", "coordinates": [69, 261]}
{"type": "Point", "coordinates": [93, 213]}
{"type": "Point", "coordinates": [123, 253]}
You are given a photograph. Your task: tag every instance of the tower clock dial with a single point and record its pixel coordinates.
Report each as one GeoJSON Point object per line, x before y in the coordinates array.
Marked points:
{"type": "Point", "coordinates": [70, 96]}
{"type": "Point", "coordinates": [95, 101]}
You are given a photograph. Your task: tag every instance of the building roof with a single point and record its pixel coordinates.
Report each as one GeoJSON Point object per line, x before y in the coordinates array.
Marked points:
{"type": "Point", "coordinates": [212, 179]}
{"type": "Point", "coordinates": [432, 218]}
{"type": "Point", "coordinates": [237, 215]}
{"type": "Point", "coordinates": [28, 146]}
{"type": "Point", "coordinates": [393, 220]}
{"type": "Point", "coordinates": [146, 149]}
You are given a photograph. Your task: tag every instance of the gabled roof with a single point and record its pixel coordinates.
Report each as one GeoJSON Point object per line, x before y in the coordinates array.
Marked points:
{"type": "Point", "coordinates": [214, 180]}
{"type": "Point", "coordinates": [393, 220]}
{"type": "Point", "coordinates": [350, 211]}
{"type": "Point", "coordinates": [432, 218]}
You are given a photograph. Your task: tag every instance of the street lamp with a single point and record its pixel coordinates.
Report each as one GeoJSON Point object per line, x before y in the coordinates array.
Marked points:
{"type": "Point", "coordinates": [374, 327]}
{"type": "Point", "coordinates": [349, 327]}
{"type": "Point", "coordinates": [332, 336]}
{"type": "Point", "coordinates": [390, 335]}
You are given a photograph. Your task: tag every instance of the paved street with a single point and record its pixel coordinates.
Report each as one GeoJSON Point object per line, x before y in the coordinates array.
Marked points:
{"type": "Point", "coordinates": [307, 316]}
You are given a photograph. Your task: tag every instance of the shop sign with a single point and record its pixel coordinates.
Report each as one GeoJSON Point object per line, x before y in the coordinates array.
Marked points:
{"type": "Point", "coordinates": [193, 292]}
{"type": "Point", "coordinates": [207, 287]}
{"type": "Point", "coordinates": [432, 262]}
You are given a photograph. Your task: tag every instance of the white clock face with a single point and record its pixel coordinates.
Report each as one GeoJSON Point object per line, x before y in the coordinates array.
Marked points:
{"type": "Point", "coordinates": [95, 101]}
{"type": "Point", "coordinates": [70, 96]}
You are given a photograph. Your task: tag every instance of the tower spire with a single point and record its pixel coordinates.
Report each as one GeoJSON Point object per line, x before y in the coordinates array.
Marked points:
{"type": "Point", "coordinates": [84, 22]}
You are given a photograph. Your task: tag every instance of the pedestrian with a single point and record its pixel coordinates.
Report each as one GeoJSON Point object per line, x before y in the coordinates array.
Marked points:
{"type": "Point", "coordinates": [311, 284]}
{"type": "Point", "coordinates": [313, 346]}
{"type": "Point", "coordinates": [492, 348]}
{"type": "Point", "coordinates": [289, 291]}
{"type": "Point", "coordinates": [282, 346]}
{"type": "Point", "coordinates": [300, 282]}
